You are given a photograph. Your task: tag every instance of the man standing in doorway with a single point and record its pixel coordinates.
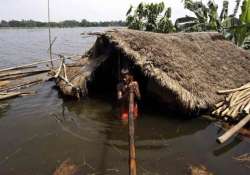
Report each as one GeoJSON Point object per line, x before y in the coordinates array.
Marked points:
{"type": "Point", "coordinates": [127, 85]}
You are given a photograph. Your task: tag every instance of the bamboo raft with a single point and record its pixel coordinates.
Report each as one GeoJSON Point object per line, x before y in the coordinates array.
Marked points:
{"type": "Point", "coordinates": [14, 81]}
{"type": "Point", "coordinates": [234, 108]}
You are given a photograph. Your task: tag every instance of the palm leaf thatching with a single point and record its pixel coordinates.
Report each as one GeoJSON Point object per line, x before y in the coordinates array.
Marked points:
{"type": "Point", "coordinates": [187, 68]}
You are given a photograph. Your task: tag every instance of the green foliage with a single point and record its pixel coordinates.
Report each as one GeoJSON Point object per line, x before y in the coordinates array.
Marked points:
{"type": "Point", "coordinates": [148, 17]}
{"type": "Point", "coordinates": [206, 17]}
{"type": "Point", "coordinates": [238, 29]}
{"type": "Point", "coordinates": [245, 15]}
{"type": "Point", "coordinates": [165, 25]}
{"type": "Point", "coordinates": [213, 16]}
{"type": "Point", "coordinates": [199, 9]}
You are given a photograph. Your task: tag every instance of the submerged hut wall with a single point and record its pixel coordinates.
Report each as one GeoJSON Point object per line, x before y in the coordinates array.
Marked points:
{"type": "Point", "coordinates": [185, 69]}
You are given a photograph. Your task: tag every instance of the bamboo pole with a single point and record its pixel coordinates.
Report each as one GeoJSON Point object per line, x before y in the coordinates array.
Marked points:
{"type": "Point", "coordinates": [21, 86]}
{"type": "Point", "coordinates": [50, 43]}
{"type": "Point", "coordinates": [233, 130]}
{"type": "Point", "coordinates": [132, 156]}
{"type": "Point", "coordinates": [24, 74]}
{"type": "Point", "coordinates": [66, 81]}
{"type": "Point", "coordinates": [247, 108]}
{"type": "Point", "coordinates": [27, 65]}
{"type": "Point", "coordinates": [59, 70]}
{"type": "Point", "coordinates": [234, 90]}
{"type": "Point", "coordinates": [10, 95]}
{"type": "Point", "coordinates": [65, 71]}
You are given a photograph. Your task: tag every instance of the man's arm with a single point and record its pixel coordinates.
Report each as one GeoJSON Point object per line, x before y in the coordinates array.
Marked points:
{"type": "Point", "coordinates": [137, 90]}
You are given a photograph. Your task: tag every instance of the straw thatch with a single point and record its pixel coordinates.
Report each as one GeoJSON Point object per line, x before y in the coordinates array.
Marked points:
{"type": "Point", "coordinates": [185, 68]}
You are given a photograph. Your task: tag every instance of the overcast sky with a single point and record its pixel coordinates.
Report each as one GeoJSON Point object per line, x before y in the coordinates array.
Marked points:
{"type": "Point", "coordinates": [92, 10]}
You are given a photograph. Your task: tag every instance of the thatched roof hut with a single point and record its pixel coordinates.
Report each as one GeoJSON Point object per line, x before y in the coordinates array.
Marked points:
{"type": "Point", "coordinates": [185, 69]}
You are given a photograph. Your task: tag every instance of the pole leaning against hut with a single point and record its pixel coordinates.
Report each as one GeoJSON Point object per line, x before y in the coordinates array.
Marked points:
{"type": "Point", "coordinates": [132, 156]}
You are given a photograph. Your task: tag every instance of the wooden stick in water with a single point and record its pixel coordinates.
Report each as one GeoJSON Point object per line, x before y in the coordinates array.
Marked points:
{"type": "Point", "coordinates": [132, 156]}
{"type": "Point", "coordinates": [233, 130]}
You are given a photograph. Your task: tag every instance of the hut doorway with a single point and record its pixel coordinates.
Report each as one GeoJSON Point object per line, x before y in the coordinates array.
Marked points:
{"type": "Point", "coordinates": [107, 76]}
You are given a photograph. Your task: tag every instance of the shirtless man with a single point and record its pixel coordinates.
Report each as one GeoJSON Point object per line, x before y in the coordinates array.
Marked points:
{"type": "Point", "coordinates": [123, 90]}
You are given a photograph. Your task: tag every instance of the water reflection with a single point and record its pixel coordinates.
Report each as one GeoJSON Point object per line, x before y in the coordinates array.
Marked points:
{"type": "Point", "coordinates": [227, 147]}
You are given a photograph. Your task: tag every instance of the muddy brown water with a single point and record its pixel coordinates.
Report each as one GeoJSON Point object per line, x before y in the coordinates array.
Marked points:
{"type": "Point", "coordinates": [39, 132]}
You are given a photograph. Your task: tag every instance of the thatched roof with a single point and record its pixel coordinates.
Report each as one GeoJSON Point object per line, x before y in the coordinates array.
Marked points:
{"type": "Point", "coordinates": [193, 66]}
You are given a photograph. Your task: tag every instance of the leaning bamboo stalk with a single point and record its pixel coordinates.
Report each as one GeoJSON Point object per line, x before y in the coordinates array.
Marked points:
{"type": "Point", "coordinates": [10, 95]}
{"type": "Point", "coordinates": [219, 104]}
{"type": "Point", "coordinates": [22, 86]}
{"type": "Point", "coordinates": [234, 90]}
{"type": "Point", "coordinates": [220, 110]}
{"type": "Point", "coordinates": [240, 96]}
{"type": "Point", "coordinates": [27, 65]}
{"type": "Point", "coordinates": [225, 112]}
{"type": "Point", "coordinates": [18, 68]}
{"type": "Point", "coordinates": [23, 75]}
{"type": "Point", "coordinates": [244, 104]}
{"type": "Point", "coordinates": [236, 111]}
{"type": "Point", "coordinates": [9, 75]}
{"type": "Point", "coordinates": [244, 92]}
{"type": "Point", "coordinates": [247, 108]}
{"type": "Point", "coordinates": [59, 70]}
{"type": "Point", "coordinates": [240, 101]}
{"type": "Point", "coordinates": [66, 81]}
{"type": "Point", "coordinates": [233, 130]}
{"type": "Point", "coordinates": [65, 72]}
{"type": "Point", "coordinates": [234, 97]}
{"type": "Point", "coordinates": [132, 156]}
{"type": "Point", "coordinates": [229, 97]}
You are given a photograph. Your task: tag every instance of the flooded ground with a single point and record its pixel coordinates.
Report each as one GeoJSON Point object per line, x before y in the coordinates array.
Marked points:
{"type": "Point", "coordinates": [39, 132]}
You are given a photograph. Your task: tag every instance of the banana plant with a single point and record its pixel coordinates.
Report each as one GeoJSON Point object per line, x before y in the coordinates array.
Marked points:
{"type": "Point", "coordinates": [165, 25]}
{"type": "Point", "coordinates": [243, 32]}
{"type": "Point", "coordinates": [152, 11]}
{"type": "Point", "coordinates": [135, 21]}
{"type": "Point", "coordinates": [148, 17]}
{"type": "Point", "coordinates": [206, 17]}
{"type": "Point", "coordinates": [238, 29]}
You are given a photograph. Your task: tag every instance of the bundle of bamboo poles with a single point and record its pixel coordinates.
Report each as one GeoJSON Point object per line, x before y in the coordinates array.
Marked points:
{"type": "Point", "coordinates": [235, 105]}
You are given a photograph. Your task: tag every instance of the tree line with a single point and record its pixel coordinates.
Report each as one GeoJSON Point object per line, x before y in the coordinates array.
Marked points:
{"type": "Point", "coordinates": [66, 23]}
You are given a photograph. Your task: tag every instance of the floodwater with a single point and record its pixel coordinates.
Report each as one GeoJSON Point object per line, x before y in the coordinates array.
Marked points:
{"type": "Point", "coordinates": [39, 132]}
